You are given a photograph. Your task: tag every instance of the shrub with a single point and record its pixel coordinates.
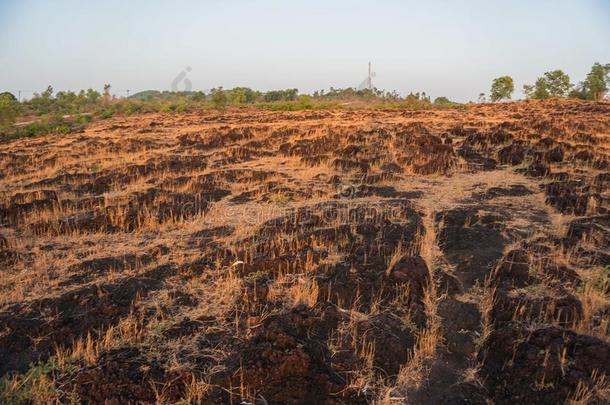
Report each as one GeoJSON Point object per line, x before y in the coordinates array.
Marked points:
{"type": "Point", "coordinates": [9, 110]}
{"type": "Point", "coordinates": [219, 98]}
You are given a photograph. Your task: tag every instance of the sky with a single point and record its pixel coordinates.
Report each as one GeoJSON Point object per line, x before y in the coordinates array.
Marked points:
{"type": "Point", "coordinates": [451, 48]}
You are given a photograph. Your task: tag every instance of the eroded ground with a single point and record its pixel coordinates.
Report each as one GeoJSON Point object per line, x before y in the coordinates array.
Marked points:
{"type": "Point", "coordinates": [311, 257]}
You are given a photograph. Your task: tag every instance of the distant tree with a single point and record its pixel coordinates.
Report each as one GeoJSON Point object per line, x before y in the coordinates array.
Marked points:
{"type": "Point", "coordinates": [595, 85]}
{"type": "Point", "coordinates": [219, 98]}
{"type": "Point", "coordinates": [93, 97]}
{"type": "Point", "coordinates": [538, 91]}
{"type": "Point", "coordinates": [281, 95]}
{"type": "Point", "coordinates": [42, 103]}
{"type": "Point", "coordinates": [392, 95]}
{"type": "Point", "coordinates": [66, 102]}
{"type": "Point", "coordinates": [482, 98]}
{"type": "Point", "coordinates": [242, 95]}
{"type": "Point", "coordinates": [442, 101]}
{"type": "Point", "coordinates": [48, 93]}
{"type": "Point", "coordinates": [501, 88]}
{"type": "Point", "coordinates": [580, 92]}
{"type": "Point", "coordinates": [197, 96]}
{"type": "Point", "coordinates": [8, 94]}
{"type": "Point", "coordinates": [597, 81]}
{"type": "Point", "coordinates": [552, 84]}
{"type": "Point", "coordinates": [558, 83]}
{"type": "Point", "coordinates": [9, 110]}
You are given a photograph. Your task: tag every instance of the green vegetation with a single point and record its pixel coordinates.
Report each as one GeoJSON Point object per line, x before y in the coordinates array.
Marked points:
{"type": "Point", "coordinates": [219, 98]}
{"type": "Point", "coordinates": [66, 111]}
{"type": "Point", "coordinates": [281, 95]}
{"type": "Point", "coordinates": [554, 84]}
{"type": "Point", "coordinates": [45, 125]}
{"type": "Point", "coordinates": [9, 110]}
{"type": "Point", "coordinates": [243, 95]}
{"type": "Point", "coordinates": [35, 386]}
{"type": "Point", "coordinates": [444, 101]}
{"type": "Point", "coordinates": [502, 88]}
{"type": "Point", "coordinates": [597, 82]}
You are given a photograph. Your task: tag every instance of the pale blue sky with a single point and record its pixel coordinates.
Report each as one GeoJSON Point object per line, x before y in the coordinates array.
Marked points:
{"type": "Point", "coordinates": [451, 48]}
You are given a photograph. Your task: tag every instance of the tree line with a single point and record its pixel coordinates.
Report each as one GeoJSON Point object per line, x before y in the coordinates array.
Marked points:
{"type": "Point", "coordinates": [49, 109]}
{"type": "Point", "coordinates": [556, 84]}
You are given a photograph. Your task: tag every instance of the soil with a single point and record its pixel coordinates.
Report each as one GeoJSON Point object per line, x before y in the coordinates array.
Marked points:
{"type": "Point", "coordinates": [260, 257]}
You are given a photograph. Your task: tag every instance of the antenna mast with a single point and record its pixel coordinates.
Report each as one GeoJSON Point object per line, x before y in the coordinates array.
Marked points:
{"type": "Point", "coordinates": [370, 80]}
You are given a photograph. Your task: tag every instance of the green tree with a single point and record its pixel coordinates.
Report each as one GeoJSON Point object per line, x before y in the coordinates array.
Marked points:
{"type": "Point", "coordinates": [558, 83]}
{"type": "Point", "coordinates": [48, 93]}
{"type": "Point", "coordinates": [580, 92]}
{"type": "Point", "coordinates": [197, 96]}
{"type": "Point", "coordinates": [9, 110]}
{"type": "Point", "coordinates": [539, 91]}
{"type": "Point", "coordinates": [442, 101]}
{"type": "Point", "coordinates": [242, 95]}
{"type": "Point", "coordinates": [281, 95]}
{"type": "Point", "coordinates": [219, 98]}
{"type": "Point", "coordinates": [597, 81]}
{"type": "Point", "coordinates": [9, 95]}
{"type": "Point", "coordinates": [502, 87]}
{"type": "Point", "coordinates": [553, 84]}
{"type": "Point", "coordinates": [66, 102]}
{"type": "Point", "coordinates": [42, 103]}
{"type": "Point", "coordinates": [93, 97]}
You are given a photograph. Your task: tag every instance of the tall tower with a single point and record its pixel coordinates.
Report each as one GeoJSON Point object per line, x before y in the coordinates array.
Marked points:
{"type": "Point", "coordinates": [370, 81]}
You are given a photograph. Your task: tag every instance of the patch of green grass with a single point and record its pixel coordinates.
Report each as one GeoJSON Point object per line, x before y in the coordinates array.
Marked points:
{"type": "Point", "coordinates": [34, 386]}
{"type": "Point", "coordinates": [39, 128]}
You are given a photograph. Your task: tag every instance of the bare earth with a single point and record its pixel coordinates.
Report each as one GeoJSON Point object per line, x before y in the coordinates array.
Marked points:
{"type": "Point", "coordinates": [332, 257]}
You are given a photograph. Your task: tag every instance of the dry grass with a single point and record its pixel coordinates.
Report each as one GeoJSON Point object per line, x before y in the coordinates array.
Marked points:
{"type": "Point", "coordinates": [186, 236]}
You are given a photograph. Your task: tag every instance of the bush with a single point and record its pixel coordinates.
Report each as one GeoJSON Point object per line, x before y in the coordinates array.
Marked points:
{"type": "Point", "coordinates": [219, 98]}
{"type": "Point", "coordinates": [105, 114]}
{"type": "Point", "coordinates": [9, 110]}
